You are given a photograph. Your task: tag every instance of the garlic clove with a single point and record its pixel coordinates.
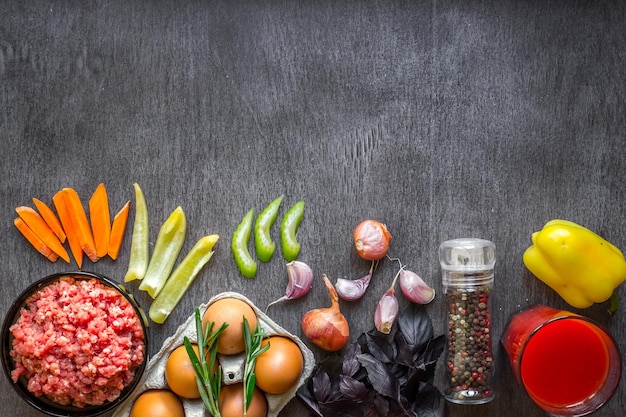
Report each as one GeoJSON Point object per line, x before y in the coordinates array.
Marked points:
{"type": "Point", "coordinates": [300, 277]}
{"type": "Point", "coordinates": [300, 281]}
{"type": "Point", "coordinates": [352, 289]}
{"type": "Point", "coordinates": [414, 288]}
{"type": "Point", "coordinates": [386, 311]}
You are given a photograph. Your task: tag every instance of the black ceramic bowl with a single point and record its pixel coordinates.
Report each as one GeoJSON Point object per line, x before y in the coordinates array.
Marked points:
{"type": "Point", "coordinates": [42, 403]}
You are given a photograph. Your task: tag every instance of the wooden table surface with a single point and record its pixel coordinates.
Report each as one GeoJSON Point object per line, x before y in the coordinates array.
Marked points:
{"type": "Point", "coordinates": [442, 119]}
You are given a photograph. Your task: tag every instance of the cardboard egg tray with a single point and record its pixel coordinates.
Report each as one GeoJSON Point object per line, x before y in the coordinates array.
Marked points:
{"type": "Point", "coordinates": [232, 365]}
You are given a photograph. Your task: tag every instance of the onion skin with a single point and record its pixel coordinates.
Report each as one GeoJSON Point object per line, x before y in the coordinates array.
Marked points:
{"type": "Point", "coordinates": [371, 240]}
{"type": "Point", "coordinates": [327, 327]}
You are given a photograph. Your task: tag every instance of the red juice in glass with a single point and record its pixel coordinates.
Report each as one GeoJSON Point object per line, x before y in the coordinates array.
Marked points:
{"type": "Point", "coordinates": [568, 365]}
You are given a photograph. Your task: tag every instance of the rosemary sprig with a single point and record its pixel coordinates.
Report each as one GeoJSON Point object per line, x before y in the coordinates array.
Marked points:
{"type": "Point", "coordinates": [208, 373]}
{"type": "Point", "coordinates": [253, 342]}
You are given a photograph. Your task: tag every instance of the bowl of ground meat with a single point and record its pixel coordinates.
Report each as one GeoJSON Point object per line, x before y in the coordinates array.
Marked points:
{"type": "Point", "coordinates": [74, 344]}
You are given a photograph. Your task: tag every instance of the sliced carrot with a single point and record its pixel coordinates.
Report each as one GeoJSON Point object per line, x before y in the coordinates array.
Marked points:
{"type": "Point", "coordinates": [100, 219]}
{"type": "Point", "coordinates": [68, 226]}
{"type": "Point", "coordinates": [38, 226]}
{"type": "Point", "coordinates": [117, 231]}
{"type": "Point", "coordinates": [80, 222]}
{"type": "Point", "coordinates": [35, 240]}
{"type": "Point", "coordinates": [50, 218]}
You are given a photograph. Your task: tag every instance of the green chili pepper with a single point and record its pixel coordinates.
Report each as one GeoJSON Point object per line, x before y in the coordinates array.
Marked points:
{"type": "Point", "coordinates": [239, 246]}
{"type": "Point", "coordinates": [182, 277]}
{"type": "Point", "coordinates": [139, 249]}
{"type": "Point", "coordinates": [288, 229]}
{"type": "Point", "coordinates": [166, 249]}
{"type": "Point", "coordinates": [263, 243]}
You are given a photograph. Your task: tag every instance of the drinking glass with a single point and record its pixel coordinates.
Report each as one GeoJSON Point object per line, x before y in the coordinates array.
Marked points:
{"type": "Point", "coordinates": [568, 364]}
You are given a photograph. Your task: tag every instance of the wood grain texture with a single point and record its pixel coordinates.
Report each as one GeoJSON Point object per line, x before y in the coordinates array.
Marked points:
{"type": "Point", "coordinates": [442, 119]}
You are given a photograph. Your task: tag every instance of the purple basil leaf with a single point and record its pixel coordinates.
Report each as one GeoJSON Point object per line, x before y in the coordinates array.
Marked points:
{"type": "Point", "coordinates": [428, 402]}
{"type": "Point", "coordinates": [404, 355]}
{"type": "Point", "coordinates": [435, 348]}
{"type": "Point", "coordinates": [352, 389]}
{"type": "Point", "coordinates": [322, 389]}
{"type": "Point", "coordinates": [384, 382]}
{"type": "Point", "coordinates": [382, 405]}
{"type": "Point", "coordinates": [415, 325]}
{"type": "Point", "coordinates": [341, 408]}
{"type": "Point", "coordinates": [424, 364]}
{"type": "Point", "coordinates": [304, 395]}
{"type": "Point", "coordinates": [380, 346]}
{"type": "Point", "coordinates": [350, 365]}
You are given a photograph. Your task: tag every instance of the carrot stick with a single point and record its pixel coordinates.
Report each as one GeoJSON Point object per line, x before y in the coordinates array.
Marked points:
{"type": "Point", "coordinates": [35, 240]}
{"type": "Point", "coordinates": [38, 226]}
{"type": "Point", "coordinates": [68, 226]}
{"type": "Point", "coordinates": [80, 222]}
{"type": "Point", "coordinates": [117, 231]}
{"type": "Point", "coordinates": [50, 218]}
{"type": "Point", "coordinates": [100, 219]}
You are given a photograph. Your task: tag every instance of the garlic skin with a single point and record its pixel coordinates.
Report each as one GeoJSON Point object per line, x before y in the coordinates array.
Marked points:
{"type": "Point", "coordinates": [386, 311]}
{"type": "Point", "coordinates": [327, 327]}
{"type": "Point", "coordinates": [300, 277]}
{"type": "Point", "coordinates": [414, 288]}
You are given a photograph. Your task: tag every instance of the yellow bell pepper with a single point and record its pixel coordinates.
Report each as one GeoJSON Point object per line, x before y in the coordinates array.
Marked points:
{"type": "Point", "coordinates": [582, 267]}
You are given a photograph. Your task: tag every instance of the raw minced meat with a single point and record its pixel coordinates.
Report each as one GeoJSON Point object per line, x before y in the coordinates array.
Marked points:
{"type": "Point", "coordinates": [77, 342]}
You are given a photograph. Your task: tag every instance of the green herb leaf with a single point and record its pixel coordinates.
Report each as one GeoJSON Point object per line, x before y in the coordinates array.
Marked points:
{"type": "Point", "coordinates": [208, 374]}
{"type": "Point", "coordinates": [253, 341]}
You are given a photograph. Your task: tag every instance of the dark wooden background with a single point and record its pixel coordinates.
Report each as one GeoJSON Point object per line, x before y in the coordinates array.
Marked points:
{"type": "Point", "coordinates": [442, 119]}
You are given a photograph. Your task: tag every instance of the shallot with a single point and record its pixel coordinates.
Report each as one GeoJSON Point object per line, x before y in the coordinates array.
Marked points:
{"type": "Point", "coordinates": [327, 327]}
{"type": "Point", "coordinates": [300, 277]}
{"type": "Point", "coordinates": [371, 240]}
{"type": "Point", "coordinates": [353, 289]}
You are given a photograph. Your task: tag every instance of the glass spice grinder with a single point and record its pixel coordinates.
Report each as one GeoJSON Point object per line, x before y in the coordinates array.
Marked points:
{"type": "Point", "coordinates": [467, 276]}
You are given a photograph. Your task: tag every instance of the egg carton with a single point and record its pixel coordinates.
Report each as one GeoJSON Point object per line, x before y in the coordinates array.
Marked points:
{"type": "Point", "coordinates": [232, 365]}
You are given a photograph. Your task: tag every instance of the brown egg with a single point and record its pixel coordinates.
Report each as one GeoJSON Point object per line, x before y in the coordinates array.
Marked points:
{"type": "Point", "coordinates": [180, 373]}
{"type": "Point", "coordinates": [157, 403]}
{"type": "Point", "coordinates": [279, 368]}
{"type": "Point", "coordinates": [232, 311]}
{"type": "Point", "coordinates": [231, 402]}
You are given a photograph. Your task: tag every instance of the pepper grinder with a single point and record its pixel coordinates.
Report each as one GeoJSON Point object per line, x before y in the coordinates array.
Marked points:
{"type": "Point", "coordinates": [467, 275]}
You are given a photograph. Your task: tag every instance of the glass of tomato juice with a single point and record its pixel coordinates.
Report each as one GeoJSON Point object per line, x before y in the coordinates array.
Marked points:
{"type": "Point", "coordinates": [568, 364]}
